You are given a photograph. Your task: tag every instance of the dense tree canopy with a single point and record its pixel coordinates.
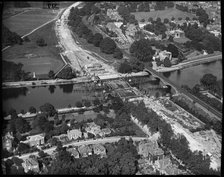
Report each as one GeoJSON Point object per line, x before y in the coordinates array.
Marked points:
{"type": "Point", "coordinates": [66, 73]}
{"type": "Point", "coordinates": [10, 38]}
{"type": "Point", "coordinates": [107, 45]}
{"type": "Point", "coordinates": [48, 109]}
{"type": "Point", "coordinates": [142, 50]}
{"type": "Point", "coordinates": [97, 38]}
{"type": "Point", "coordinates": [118, 53]}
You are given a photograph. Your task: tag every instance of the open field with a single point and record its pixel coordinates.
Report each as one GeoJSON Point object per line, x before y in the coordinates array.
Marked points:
{"type": "Point", "coordinates": [34, 58]}
{"type": "Point", "coordinates": [26, 22]}
{"type": "Point", "coordinates": [168, 13]}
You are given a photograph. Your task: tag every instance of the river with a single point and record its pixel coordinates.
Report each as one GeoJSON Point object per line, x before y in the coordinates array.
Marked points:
{"type": "Point", "coordinates": [192, 75]}
{"type": "Point", "coordinates": [59, 96]}
{"type": "Point", "coordinates": [63, 95]}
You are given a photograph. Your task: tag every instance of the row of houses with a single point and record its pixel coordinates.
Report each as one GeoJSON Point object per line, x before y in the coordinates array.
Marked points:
{"type": "Point", "coordinates": [32, 164]}
{"type": "Point", "coordinates": [150, 151]}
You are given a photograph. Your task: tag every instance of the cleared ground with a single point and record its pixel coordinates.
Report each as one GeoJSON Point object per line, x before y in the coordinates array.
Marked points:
{"type": "Point", "coordinates": [34, 58]}
{"type": "Point", "coordinates": [168, 13]}
{"type": "Point", "coordinates": [26, 22]}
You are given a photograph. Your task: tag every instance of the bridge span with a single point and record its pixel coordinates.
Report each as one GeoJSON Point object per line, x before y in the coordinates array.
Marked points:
{"type": "Point", "coordinates": [178, 89]}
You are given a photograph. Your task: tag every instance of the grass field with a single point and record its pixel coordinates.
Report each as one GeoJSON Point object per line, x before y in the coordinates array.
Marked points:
{"type": "Point", "coordinates": [34, 58]}
{"type": "Point", "coordinates": [168, 13]}
{"type": "Point", "coordinates": [26, 22]}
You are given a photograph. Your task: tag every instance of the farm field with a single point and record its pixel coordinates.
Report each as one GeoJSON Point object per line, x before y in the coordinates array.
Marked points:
{"type": "Point", "coordinates": [168, 13]}
{"type": "Point", "coordinates": [34, 58]}
{"type": "Point", "coordinates": [28, 21]}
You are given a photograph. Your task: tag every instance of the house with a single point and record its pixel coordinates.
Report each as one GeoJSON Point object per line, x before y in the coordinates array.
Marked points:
{"type": "Point", "coordinates": [162, 164]}
{"type": "Point", "coordinates": [176, 33]}
{"type": "Point", "coordinates": [113, 15]}
{"type": "Point", "coordinates": [93, 128]}
{"type": "Point", "coordinates": [162, 55]}
{"type": "Point", "coordinates": [215, 32]}
{"type": "Point", "coordinates": [150, 149]}
{"type": "Point", "coordinates": [7, 141]}
{"type": "Point", "coordinates": [30, 164]}
{"type": "Point", "coordinates": [106, 131]}
{"type": "Point", "coordinates": [74, 134]}
{"type": "Point", "coordinates": [99, 149]}
{"type": "Point", "coordinates": [73, 152]}
{"type": "Point", "coordinates": [62, 137]}
{"type": "Point", "coordinates": [35, 140]}
{"type": "Point", "coordinates": [85, 150]}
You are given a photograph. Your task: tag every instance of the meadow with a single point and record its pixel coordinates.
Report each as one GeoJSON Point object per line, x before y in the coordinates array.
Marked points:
{"type": "Point", "coordinates": [168, 13]}
{"type": "Point", "coordinates": [35, 58]}
{"type": "Point", "coordinates": [26, 22]}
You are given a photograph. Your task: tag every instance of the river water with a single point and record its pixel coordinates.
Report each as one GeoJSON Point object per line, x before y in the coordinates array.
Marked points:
{"type": "Point", "coordinates": [63, 95]}
{"type": "Point", "coordinates": [59, 96]}
{"type": "Point", "coordinates": [192, 75]}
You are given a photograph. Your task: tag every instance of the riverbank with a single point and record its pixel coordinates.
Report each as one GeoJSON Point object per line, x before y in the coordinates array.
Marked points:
{"type": "Point", "coordinates": [191, 63]}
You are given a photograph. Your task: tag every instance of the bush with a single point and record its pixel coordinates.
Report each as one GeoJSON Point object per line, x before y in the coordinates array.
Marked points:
{"type": "Point", "coordinates": [26, 39]}
{"type": "Point", "coordinates": [167, 62]}
{"type": "Point", "coordinates": [79, 104]}
{"type": "Point", "coordinates": [97, 38]}
{"type": "Point", "coordinates": [117, 53]}
{"type": "Point", "coordinates": [107, 45]}
{"type": "Point", "coordinates": [125, 67]}
{"type": "Point", "coordinates": [41, 42]}
{"type": "Point", "coordinates": [32, 109]}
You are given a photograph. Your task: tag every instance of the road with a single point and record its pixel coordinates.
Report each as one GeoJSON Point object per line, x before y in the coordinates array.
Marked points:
{"type": "Point", "coordinates": [74, 52]}
{"type": "Point", "coordinates": [90, 141]}
{"type": "Point", "coordinates": [186, 64]}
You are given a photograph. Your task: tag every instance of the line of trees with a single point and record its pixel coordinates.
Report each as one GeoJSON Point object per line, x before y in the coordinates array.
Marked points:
{"type": "Point", "coordinates": [194, 161]}
{"type": "Point", "coordinates": [107, 45]}
{"type": "Point", "coordinates": [9, 37]}
{"type": "Point", "coordinates": [14, 72]}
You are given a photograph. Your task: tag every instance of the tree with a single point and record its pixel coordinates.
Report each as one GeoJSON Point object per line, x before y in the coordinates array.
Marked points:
{"type": "Point", "coordinates": [117, 53]}
{"type": "Point", "coordinates": [125, 67]}
{"type": "Point", "coordinates": [142, 50]}
{"type": "Point", "coordinates": [166, 20]}
{"type": "Point", "coordinates": [124, 12]}
{"type": "Point", "coordinates": [90, 37]}
{"type": "Point", "coordinates": [179, 18]}
{"type": "Point", "coordinates": [26, 39]}
{"type": "Point", "coordinates": [143, 20]}
{"type": "Point", "coordinates": [172, 18]}
{"type": "Point", "coordinates": [79, 104]}
{"type": "Point", "coordinates": [42, 154]}
{"type": "Point", "coordinates": [51, 74]}
{"type": "Point", "coordinates": [97, 38]}
{"type": "Point", "coordinates": [107, 45]}
{"type": "Point", "coordinates": [187, 19]}
{"type": "Point", "coordinates": [173, 49]}
{"type": "Point", "coordinates": [41, 42]}
{"type": "Point", "coordinates": [66, 73]}
{"type": "Point", "coordinates": [87, 103]}
{"type": "Point", "coordinates": [150, 19]}
{"type": "Point", "coordinates": [48, 109]}
{"type": "Point", "coordinates": [96, 102]}
{"type": "Point", "coordinates": [21, 125]}
{"type": "Point", "coordinates": [167, 62]}
{"type": "Point", "coordinates": [32, 109]}
{"type": "Point", "coordinates": [208, 80]}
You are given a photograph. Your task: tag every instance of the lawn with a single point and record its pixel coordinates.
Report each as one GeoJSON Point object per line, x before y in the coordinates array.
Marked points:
{"type": "Point", "coordinates": [26, 22]}
{"type": "Point", "coordinates": [34, 58]}
{"type": "Point", "coordinates": [168, 13]}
